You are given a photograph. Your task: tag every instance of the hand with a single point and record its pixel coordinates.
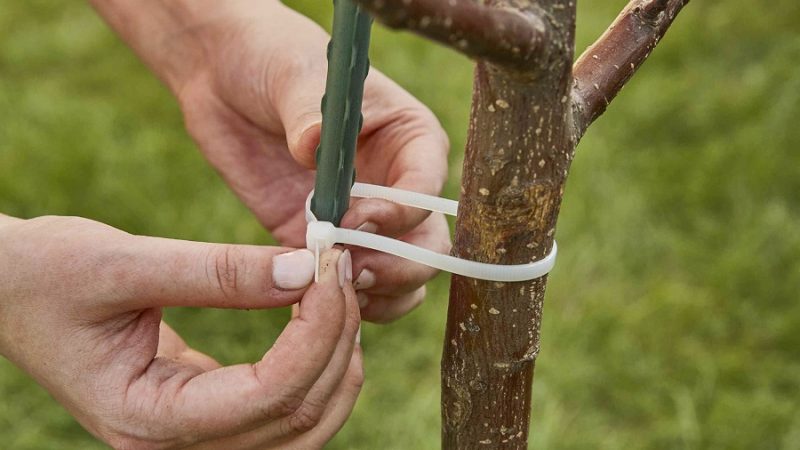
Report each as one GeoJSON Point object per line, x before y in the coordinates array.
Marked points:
{"type": "Point", "coordinates": [80, 311]}
{"type": "Point", "coordinates": [253, 107]}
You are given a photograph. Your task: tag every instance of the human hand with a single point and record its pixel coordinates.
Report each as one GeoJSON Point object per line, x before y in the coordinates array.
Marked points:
{"type": "Point", "coordinates": [253, 107]}
{"type": "Point", "coordinates": [80, 311]}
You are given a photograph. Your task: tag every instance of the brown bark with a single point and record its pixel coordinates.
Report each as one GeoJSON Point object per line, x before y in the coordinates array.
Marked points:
{"type": "Point", "coordinates": [502, 35]}
{"type": "Point", "coordinates": [517, 156]}
{"type": "Point", "coordinates": [518, 151]}
{"type": "Point", "coordinates": [526, 119]}
{"type": "Point", "coordinates": [605, 67]}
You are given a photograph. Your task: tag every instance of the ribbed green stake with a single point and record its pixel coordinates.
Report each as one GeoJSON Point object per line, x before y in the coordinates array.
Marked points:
{"type": "Point", "coordinates": [348, 63]}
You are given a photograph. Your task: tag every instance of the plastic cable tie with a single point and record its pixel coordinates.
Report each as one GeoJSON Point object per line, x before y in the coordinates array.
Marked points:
{"type": "Point", "coordinates": [321, 236]}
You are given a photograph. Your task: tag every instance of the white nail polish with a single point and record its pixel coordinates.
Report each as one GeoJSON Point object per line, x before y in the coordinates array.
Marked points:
{"type": "Point", "coordinates": [368, 227]}
{"type": "Point", "coordinates": [344, 268]}
{"type": "Point", "coordinates": [348, 274]}
{"type": "Point", "coordinates": [293, 270]}
{"type": "Point", "coordinates": [365, 280]}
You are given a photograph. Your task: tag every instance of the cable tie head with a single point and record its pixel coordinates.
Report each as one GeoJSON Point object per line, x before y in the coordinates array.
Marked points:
{"type": "Point", "coordinates": [320, 235]}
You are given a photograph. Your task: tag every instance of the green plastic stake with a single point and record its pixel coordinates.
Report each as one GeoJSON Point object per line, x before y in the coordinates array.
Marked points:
{"type": "Point", "coordinates": [348, 63]}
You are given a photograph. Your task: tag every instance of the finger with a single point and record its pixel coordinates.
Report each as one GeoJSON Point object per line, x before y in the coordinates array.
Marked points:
{"type": "Point", "coordinates": [5, 220]}
{"type": "Point", "coordinates": [300, 113]}
{"type": "Point", "coordinates": [385, 309]}
{"type": "Point", "coordinates": [413, 147]}
{"type": "Point", "coordinates": [407, 150]}
{"type": "Point", "coordinates": [172, 346]}
{"type": "Point", "coordinates": [164, 272]}
{"type": "Point", "coordinates": [313, 409]}
{"type": "Point", "coordinates": [337, 411]}
{"type": "Point", "coordinates": [388, 218]}
{"type": "Point", "coordinates": [314, 405]}
{"type": "Point", "coordinates": [339, 408]}
{"type": "Point", "coordinates": [239, 398]}
{"type": "Point", "coordinates": [384, 274]}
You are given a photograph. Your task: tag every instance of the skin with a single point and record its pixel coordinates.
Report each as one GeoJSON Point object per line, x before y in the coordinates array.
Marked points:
{"type": "Point", "coordinates": [249, 75]}
{"type": "Point", "coordinates": [89, 330]}
{"type": "Point", "coordinates": [80, 302]}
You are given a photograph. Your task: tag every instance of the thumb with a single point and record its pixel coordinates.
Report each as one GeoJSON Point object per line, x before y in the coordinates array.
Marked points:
{"type": "Point", "coordinates": [168, 272]}
{"type": "Point", "coordinates": [299, 109]}
{"type": "Point", "coordinates": [244, 397]}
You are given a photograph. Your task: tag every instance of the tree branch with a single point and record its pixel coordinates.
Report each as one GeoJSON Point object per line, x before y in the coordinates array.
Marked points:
{"type": "Point", "coordinates": [605, 67]}
{"type": "Point", "coordinates": [501, 35]}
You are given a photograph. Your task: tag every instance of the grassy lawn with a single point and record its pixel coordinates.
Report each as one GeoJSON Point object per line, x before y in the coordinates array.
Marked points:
{"type": "Point", "coordinates": [672, 319]}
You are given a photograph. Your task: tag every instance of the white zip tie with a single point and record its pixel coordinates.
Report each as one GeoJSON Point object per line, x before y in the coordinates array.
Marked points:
{"type": "Point", "coordinates": [323, 235]}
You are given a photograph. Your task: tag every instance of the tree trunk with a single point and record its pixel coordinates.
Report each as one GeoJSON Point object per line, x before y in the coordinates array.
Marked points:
{"type": "Point", "coordinates": [528, 114]}
{"type": "Point", "coordinates": [519, 148]}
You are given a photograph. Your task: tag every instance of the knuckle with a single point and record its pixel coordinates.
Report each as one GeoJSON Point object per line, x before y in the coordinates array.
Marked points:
{"type": "Point", "coordinates": [226, 266]}
{"type": "Point", "coordinates": [286, 405]}
{"type": "Point", "coordinates": [305, 418]}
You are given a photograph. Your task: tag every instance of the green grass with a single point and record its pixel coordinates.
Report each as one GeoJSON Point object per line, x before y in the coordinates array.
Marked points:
{"type": "Point", "coordinates": [672, 319]}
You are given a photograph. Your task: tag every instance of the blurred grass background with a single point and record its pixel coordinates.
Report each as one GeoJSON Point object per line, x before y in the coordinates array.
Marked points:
{"type": "Point", "coordinates": [672, 319]}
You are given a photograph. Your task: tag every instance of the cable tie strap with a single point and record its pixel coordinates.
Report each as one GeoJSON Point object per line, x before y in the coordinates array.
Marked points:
{"type": "Point", "coordinates": [321, 236]}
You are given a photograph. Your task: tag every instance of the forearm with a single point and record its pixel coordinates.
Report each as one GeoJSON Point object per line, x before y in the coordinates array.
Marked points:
{"type": "Point", "coordinates": [173, 36]}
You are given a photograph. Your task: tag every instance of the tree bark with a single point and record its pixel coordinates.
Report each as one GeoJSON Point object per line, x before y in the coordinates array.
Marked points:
{"type": "Point", "coordinates": [605, 67]}
{"type": "Point", "coordinates": [526, 119]}
{"type": "Point", "coordinates": [504, 35]}
{"type": "Point", "coordinates": [519, 148]}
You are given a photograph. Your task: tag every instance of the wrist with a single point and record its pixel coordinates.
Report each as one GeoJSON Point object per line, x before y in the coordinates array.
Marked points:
{"type": "Point", "coordinates": [180, 46]}
{"type": "Point", "coordinates": [175, 37]}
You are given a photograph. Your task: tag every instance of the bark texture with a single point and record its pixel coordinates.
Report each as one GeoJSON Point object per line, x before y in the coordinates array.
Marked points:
{"type": "Point", "coordinates": [605, 67]}
{"type": "Point", "coordinates": [518, 151]}
{"type": "Point", "coordinates": [504, 35]}
{"type": "Point", "coordinates": [527, 116]}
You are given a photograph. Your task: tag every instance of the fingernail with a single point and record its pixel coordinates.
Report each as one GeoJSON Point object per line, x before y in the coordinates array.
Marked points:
{"type": "Point", "coordinates": [363, 300]}
{"type": "Point", "coordinates": [349, 267]}
{"type": "Point", "coordinates": [345, 268]}
{"type": "Point", "coordinates": [358, 335]}
{"type": "Point", "coordinates": [368, 227]}
{"type": "Point", "coordinates": [366, 279]}
{"type": "Point", "coordinates": [293, 270]}
{"type": "Point", "coordinates": [308, 140]}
